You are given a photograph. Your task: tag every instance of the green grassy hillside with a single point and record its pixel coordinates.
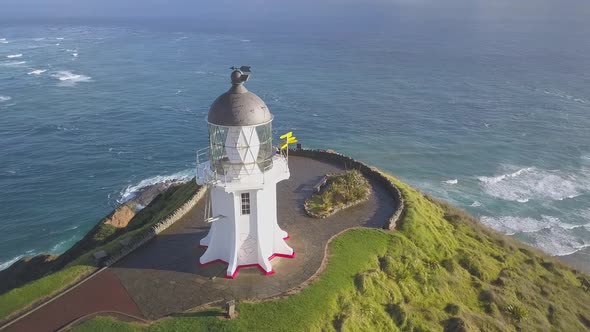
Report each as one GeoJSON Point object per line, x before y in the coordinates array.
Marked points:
{"type": "Point", "coordinates": [440, 271]}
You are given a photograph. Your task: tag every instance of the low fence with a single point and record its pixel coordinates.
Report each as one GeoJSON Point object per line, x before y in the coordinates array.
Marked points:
{"type": "Point", "coordinates": [371, 173]}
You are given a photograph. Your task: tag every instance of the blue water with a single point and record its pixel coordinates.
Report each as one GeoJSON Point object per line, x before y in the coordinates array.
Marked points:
{"type": "Point", "coordinates": [490, 113]}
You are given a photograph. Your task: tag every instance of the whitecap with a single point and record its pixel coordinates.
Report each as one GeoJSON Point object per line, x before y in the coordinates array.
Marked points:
{"type": "Point", "coordinates": [59, 38]}
{"type": "Point", "coordinates": [14, 56]}
{"type": "Point", "coordinates": [476, 204]}
{"type": "Point", "coordinates": [245, 40]}
{"type": "Point", "coordinates": [67, 78]}
{"type": "Point", "coordinates": [13, 63]}
{"type": "Point", "coordinates": [452, 181]}
{"type": "Point", "coordinates": [37, 72]}
{"type": "Point", "coordinates": [131, 191]}
{"type": "Point", "coordinates": [75, 55]}
{"type": "Point", "coordinates": [315, 115]}
{"type": "Point", "coordinates": [532, 183]}
{"type": "Point", "coordinates": [4, 98]}
{"type": "Point", "coordinates": [3, 41]}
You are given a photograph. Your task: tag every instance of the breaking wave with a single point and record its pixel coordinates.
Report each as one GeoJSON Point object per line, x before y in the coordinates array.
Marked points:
{"type": "Point", "coordinates": [132, 190]}
{"type": "Point", "coordinates": [4, 98]}
{"type": "Point", "coordinates": [453, 181]}
{"type": "Point", "coordinates": [559, 241]}
{"type": "Point", "coordinates": [37, 72]}
{"type": "Point", "coordinates": [512, 225]}
{"type": "Point", "coordinates": [532, 183]}
{"type": "Point", "coordinates": [13, 63]}
{"type": "Point", "coordinates": [68, 78]}
{"type": "Point", "coordinates": [9, 262]}
{"type": "Point", "coordinates": [14, 56]}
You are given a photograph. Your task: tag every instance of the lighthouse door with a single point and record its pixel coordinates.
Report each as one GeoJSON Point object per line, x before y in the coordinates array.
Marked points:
{"type": "Point", "coordinates": [248, 244]}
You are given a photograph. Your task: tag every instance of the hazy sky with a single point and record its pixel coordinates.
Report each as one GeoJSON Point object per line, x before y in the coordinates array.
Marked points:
{"type": "Point", "coordinates": [278, 14]}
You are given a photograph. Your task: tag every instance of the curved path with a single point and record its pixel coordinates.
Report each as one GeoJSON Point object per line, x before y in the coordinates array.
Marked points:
{"type": "Point", "coordinates": [164, 276]}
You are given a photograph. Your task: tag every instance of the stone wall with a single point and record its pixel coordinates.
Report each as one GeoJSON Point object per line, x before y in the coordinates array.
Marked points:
{"type": "Point", "coordinates": [369, 172]}
{"type": "Point", "coordinates": [140, 239]}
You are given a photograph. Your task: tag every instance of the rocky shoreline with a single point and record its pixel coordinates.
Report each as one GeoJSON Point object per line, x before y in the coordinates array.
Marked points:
{"type": "Point", "coordinates": [31, 268]}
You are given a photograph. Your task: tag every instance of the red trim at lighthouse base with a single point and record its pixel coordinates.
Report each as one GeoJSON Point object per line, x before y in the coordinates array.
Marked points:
{"type": "Point", "coordinates": [266, 273]}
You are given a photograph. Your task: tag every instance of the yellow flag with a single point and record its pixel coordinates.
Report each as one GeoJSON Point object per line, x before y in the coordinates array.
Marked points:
{"type": "Point", "coordinates": [291, 140]}
{"type": "Point", "coordinates": [287, 135]}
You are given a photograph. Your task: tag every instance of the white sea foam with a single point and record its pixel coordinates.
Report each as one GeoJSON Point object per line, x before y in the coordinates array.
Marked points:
{"type": "Point", "coordinates": [532, 183]}
{"type": "Point", "coordinates": [59, 38]}
{"type": "Point", "coordinates": [12, 63]}
{"type": "Point", "coordinates": [566, 96]}
{"type": "Point", "coordinates": [131, 191]}
{"type": "Point", "coordinates": [452, 181]}
{"type": "Point", "coordinates": [4, 98]}
{"type": "Point", "coordinates": [245, 40]}
{"type": "Point", "coordinates": [11, 261]}
{"type": "Point", "coordinates": [67, 78]}
{"type": "Point", "coordinates": [476, 204]}
{"type": "Point", "coordinates": [3, 41]}
{"type": "Point", "coordinates": [511, 225]}
{"type": "Point", "coordinates": [75, 55]}
{"type": "Point", "coordinates": [559, 241]}
{"type": "Point", "coordinates": [37, 72]}
{"type": "Point", "coordinates": [14, 56]}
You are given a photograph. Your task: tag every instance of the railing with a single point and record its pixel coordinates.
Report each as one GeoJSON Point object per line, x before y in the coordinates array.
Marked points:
{"type": "Point", "coordinates": [206, 174]}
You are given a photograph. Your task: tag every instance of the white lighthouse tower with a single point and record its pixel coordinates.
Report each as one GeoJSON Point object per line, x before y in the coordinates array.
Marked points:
{"type": "Point", "coordinates": [241, 170]}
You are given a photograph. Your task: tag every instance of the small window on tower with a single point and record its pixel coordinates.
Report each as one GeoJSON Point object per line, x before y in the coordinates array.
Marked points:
{"type": "Point", "coordinates": [246, 203]}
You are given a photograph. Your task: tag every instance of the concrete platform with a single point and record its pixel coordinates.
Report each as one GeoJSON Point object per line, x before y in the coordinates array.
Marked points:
{"type": "Point", "coordinates": [164, 277]}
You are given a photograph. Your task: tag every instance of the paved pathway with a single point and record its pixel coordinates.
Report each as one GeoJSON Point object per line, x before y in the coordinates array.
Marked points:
{"type": "Point", "coordinates": [101, 293]}
{"type": "Point", "coordinates": [164, 277]}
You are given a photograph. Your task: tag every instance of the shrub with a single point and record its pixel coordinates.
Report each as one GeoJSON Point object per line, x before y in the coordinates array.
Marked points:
{"type": "Point", "coordinates": [103, 232]}
{"type": "Point", "coordinates": [452, 309]}
{"type": "Point", "coordinates": [454, 324]}
{"type": "Point", "coordinates": [516, 312]}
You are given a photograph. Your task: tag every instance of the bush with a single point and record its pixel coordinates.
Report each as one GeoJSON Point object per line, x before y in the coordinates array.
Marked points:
{"type": "Point", "coordinates": [516, 312]}
{"type": "Point", "coordinates": [340, 190]}
{"type": "Point", "coordinates": [452, 309]}
{"type": "Point", "coordinates": [103, 232]}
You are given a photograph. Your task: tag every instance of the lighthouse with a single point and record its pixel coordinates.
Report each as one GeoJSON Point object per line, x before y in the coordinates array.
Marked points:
{"type": "Point", "coordinates": [241, 169]}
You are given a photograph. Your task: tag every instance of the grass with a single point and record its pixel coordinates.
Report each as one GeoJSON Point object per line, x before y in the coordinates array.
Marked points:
{"type": "Point", "coordinates": [442, 270]}
{"type": "Point", "coordinates": [163, 205]}
{"type": "Point", "coordinates": [340, 190]}
{"type": "Point", "coordinates": [22, 297]}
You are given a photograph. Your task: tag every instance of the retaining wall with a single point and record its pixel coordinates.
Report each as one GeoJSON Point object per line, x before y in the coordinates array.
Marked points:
{"type": "Point", "coordinates": [140, 239]}
{"type": "Point", "coordinates": [371, 173]}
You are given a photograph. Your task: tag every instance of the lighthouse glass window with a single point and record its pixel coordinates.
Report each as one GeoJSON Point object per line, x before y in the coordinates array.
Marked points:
{"type": "Point", "coordinates": [245, 203]}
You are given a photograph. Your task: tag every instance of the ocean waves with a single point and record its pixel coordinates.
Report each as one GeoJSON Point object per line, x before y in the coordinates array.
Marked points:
{"type": "Point", "coordinates": [4, 98]}
{"type": "Point", "coordinates": [133, 190]}
{"type": "Point", "coordinates": [68, 78]}
{"type": "Point", "coordinates": [532, 183]}
{"type": "Point", "coordinates": [556, 236]}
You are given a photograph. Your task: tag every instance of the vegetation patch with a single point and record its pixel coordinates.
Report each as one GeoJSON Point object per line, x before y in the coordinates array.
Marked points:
{"type": "Point", "coordinates": [341, 191]}
{"type": "Point", "coordinates": [406, 280]}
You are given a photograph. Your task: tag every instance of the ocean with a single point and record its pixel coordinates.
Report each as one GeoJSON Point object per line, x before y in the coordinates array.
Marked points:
{"type": "Point", "coordinates": [491, 114]}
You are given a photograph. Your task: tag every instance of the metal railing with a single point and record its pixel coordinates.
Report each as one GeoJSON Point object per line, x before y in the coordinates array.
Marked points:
{"type": "Point", "coordinates": [208, 174]}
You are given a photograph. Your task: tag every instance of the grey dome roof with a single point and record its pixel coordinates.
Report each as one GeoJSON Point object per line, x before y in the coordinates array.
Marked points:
{"type": "Point", "coordinates": [238, 106]}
